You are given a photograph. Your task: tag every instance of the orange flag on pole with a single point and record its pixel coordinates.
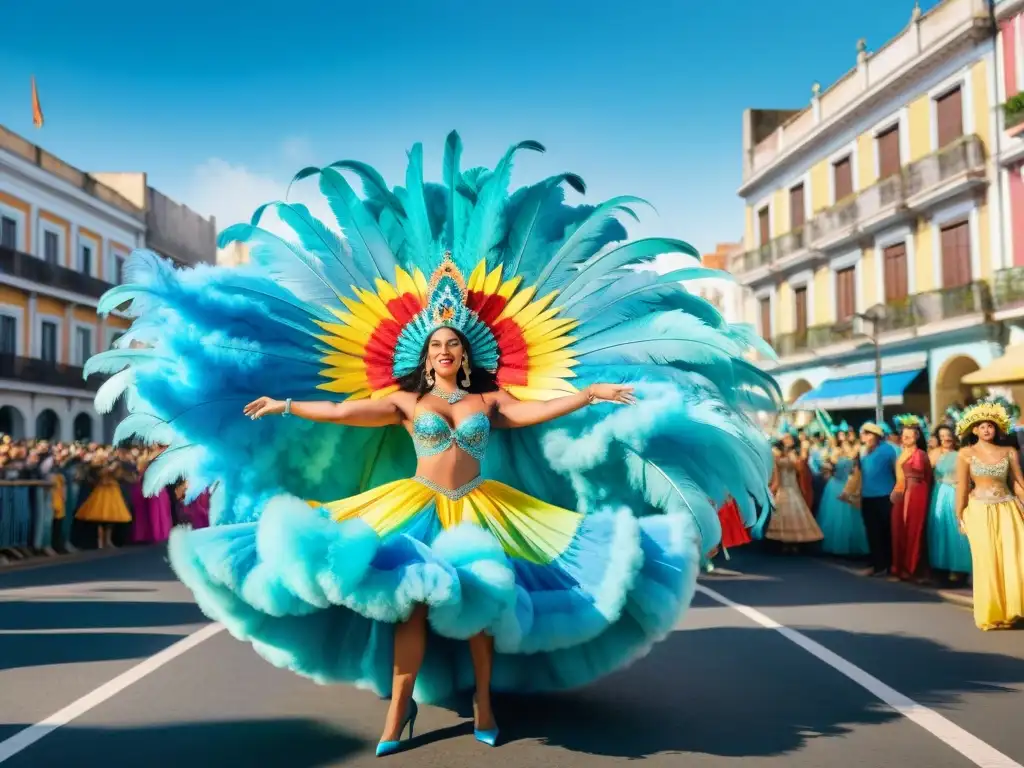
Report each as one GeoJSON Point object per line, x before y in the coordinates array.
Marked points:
{"type": "Point", "coordinates": [37, 110]}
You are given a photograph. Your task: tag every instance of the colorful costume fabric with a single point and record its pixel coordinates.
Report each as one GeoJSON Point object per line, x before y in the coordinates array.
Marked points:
{"type": "Point", "coordinates": [579, 544]}
{"type": "Point", "coordinates": [841, 522]}
{"type": "Point", "coordinates": [948, 548]}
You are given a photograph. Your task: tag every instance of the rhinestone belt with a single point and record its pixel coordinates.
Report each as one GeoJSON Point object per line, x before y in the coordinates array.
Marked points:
{"type": "Point", "coordinates": [452, 493]}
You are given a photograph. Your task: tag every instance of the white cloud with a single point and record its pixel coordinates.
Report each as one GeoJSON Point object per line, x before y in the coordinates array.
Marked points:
{"type": "Point", "coordinates": [233, 192]}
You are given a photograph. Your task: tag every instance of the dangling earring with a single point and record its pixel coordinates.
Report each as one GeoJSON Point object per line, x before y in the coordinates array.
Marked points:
{"type": "Point", "coordinates": [465, 369]}
{"type": "Point", "coordinates": [428, 374]}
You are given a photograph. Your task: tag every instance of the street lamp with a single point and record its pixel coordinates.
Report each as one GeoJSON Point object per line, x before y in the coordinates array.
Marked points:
{"type": "Point", "coordinates": [872, 317]}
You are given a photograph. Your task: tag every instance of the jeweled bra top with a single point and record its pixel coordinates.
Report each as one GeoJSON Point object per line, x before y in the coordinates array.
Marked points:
{"type": "Point", "coordinates": [432, 434]}
{"type": "Point", "coordinates": [999, 470]}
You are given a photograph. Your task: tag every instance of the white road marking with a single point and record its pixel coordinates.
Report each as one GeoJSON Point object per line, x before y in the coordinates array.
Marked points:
{"type": "Point", "coordinates": [967, 744]}
{"type": "Point", "coordinates": [29, 736]}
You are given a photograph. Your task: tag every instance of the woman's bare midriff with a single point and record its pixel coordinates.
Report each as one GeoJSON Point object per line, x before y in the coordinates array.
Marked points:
{"type": "Point", "coordinates": [454, 467]}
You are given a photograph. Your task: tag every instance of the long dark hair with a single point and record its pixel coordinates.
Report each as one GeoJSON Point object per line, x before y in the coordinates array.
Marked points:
{"type": "Point", "coordinates": [952, 433]}
{"type": "Point", "coordinates": [480, 379]}
{"type": "Point", "coordinates": [920, 442]}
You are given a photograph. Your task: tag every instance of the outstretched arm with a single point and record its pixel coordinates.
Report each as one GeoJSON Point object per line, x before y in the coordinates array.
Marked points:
{"type": "Point", "coordinates": [360, 413]}
{"type": "Point", "coordinates": [512, 413]}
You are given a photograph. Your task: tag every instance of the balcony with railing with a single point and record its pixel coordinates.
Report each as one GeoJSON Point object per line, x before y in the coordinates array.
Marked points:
{"type": "Point", "coordinates": [32, 370]}
{"type": "Point", "coordinates": [35, 270]}
{"type": "Point", "coordinates": [929, 37]}
{"type": "Point", "coordinates": [920, 185]}
{"type": "Point", "coordinates": [904, 315]}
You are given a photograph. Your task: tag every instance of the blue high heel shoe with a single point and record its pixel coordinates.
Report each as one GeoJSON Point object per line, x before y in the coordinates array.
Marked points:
{"type": "Point", "coordinates": [390, 747]}
{"type": "Point", "coordinates": [488, 737]}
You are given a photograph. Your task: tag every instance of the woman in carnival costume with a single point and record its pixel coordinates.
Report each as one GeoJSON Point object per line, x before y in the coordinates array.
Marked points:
{"type": "Point", "coordinates": [992, 515]}
{"type": "Point", "coordinates": [948, 548]}
{"type": "Point", "coordinates": [445, 463]}
{"type": "Point", "coordinates": [839, 514]}
{"type": "Point", "coordinates": [791, 522]}
{"type": "Point", "coordinates": [910, 497]}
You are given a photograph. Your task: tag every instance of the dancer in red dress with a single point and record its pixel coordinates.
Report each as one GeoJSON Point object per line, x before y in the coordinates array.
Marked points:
{"type": "Point", "coordinates": [910, 497]}
{"type": "Point", "coordinates": [734, 534]}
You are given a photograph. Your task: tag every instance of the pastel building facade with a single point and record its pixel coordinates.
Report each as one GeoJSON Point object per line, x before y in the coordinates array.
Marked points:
{"type": "Point", "coordinates": [64, 238]}
{"type": "Point", "coordinates": [873, 221]}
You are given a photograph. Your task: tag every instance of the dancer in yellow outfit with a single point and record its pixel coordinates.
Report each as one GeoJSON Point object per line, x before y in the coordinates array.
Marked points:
{"type": "Point", "coordinates": [991, 516]}
{"type": "Point", "coordinates": [105, 506]}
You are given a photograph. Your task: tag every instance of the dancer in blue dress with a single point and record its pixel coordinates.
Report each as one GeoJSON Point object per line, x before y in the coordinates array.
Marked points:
{"type": "Point", "coordinates": [468, 446]}
{"type": "Point", "coordinates": [839, 512]}
{"type": "Point", "coordinates": [948, 547]}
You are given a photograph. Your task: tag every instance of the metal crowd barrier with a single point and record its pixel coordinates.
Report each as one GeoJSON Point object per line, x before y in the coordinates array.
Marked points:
{"type": "Point", "coordinates": [26, 514]}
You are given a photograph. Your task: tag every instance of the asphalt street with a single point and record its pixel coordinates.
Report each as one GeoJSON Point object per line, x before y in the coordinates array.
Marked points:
{"type": "Point", "coordinates": [759, 681]}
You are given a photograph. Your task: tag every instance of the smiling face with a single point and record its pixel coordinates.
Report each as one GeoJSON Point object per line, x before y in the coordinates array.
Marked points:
{"type": "Point", "coordinates": [946, 439]}
{"type": "Point", "coordinates": [445, 352]}
{"type": "Point", "coordinates": [908, 437]}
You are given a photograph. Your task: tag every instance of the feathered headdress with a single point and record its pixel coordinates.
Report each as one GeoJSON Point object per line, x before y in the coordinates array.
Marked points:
{"type": "Point", "coordinates": [911, 421]}
{"type": "Point", "coordinates": [979, 413]}
{"type": "Point", "coordinates": [551, 296]}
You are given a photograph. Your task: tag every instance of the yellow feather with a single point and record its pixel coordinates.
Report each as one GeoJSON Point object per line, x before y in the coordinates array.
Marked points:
{"type": "Point", "coordinates": [529, 313]}
{"type": "Point", "coordinates": [355, 335]}
{"type": "Point", "coordinates": [554, 384]}
{"type": "Point", "coordinates": [477, 277]}
{"type": "Point", "coordinates": [375, 305]}
{"type": "Point", "coordinates": [404, 282]}
{"type": "Point", "coordinates": [342, 345]}
{"type": "Point", "coordinates": [517, 303]}
{"type": "Point", "coordinates": [344, 362]}
{"type": "Point", "coordinates": [507, 289]}
{"type": "Point", "coordinates": [351, 380]}
{"type": "Point", "coordinates": [531, 394]}
{"type": "Point", "coordinates": [421, 285]}
{"type": "Point", "coordinates": [361, 312]}
{"type": "Point", "coordinates": [378, 394]}
{"type": "Point", "coordinates": [333, 386]}
{"type": "Point", "coordinates": [386, 291]}
{"type": "Point", "coordinates": [550, 371]}
{"type": "Point", "coordinates": [493, 281]}
{"type": "Point", "coordinates": [551, 346]}
{"type": "Point", "coordinates": [549, 329]}
{"type": "Point", "coordinates": [558, 357]}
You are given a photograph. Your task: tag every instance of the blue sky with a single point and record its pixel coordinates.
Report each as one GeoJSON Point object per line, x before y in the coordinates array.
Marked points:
{"type": "Point", "coordinates": [220, 102]}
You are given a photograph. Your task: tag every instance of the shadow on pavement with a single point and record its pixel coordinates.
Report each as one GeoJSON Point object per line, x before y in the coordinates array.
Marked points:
{"type": "Point", "coordinates": [802, 581]}
{"type": "Point", "coordinates": [290, 743]}
{"type": "Point", "coordinates": [141, 563]}
{"type": "Point", "coordinates": [40, 650]}
{"type": "Point", "coordinates": [697, 693]}
{"type": "Point", "coordinates": [96, 614]}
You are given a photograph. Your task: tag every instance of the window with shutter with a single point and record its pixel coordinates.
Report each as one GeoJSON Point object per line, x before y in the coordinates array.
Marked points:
{"type": "Point", "coordinates": [796, 207]}
{"type": "Point", "coordinates": [842, 178]}
{"type": "Point", "coordinates": [888, 148]}
{"type": "Point", "coordinates": [800, 309]}
{"type": "Point", "coordinates": [8, 232]}
{"type": "Point", "coordinates": [949, 114]}
{"type": "Point", "coordinates": [956, 254]}
{"type": "Point", "coordinates": [894, 259]}
{"type": "Point", "coordinates": [766, 318]}
{"type": "Point", "coordinates": [764, 226]}
{"type": "Point", "coordinates": [51, 247]}
{"type": "Point", "coordinates": [846, 294]}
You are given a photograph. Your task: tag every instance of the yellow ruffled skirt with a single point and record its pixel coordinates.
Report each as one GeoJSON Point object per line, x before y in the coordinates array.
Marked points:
{"type": "Point", "coordinates": [525, 527]}
{"type": "Point", "coordinates": [105, 505]}
{"type": "Point", "coordinates": [996, 534]}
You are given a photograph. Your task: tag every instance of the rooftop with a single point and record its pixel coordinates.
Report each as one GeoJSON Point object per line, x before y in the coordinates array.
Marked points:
{"type": "Point", "coordinates": [17, 145]}
{"type": "Point", "coordinates": [772, 135]}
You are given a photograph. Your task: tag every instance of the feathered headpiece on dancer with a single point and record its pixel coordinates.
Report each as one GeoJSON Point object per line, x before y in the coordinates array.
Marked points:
{"type": "Point", "coordinates": [548, 296]}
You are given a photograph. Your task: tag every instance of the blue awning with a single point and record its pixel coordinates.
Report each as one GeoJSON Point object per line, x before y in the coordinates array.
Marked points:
{"type": "Point", "coordinates": [856, 392]}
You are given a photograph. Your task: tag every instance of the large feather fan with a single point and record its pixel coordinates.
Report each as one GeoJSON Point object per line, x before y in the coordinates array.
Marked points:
{"type": "Point", "coordinates": [207, 340]}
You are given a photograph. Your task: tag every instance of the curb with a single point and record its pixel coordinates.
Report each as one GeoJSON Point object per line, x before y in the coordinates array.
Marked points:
{"type": "Point", "coordinates": [961, 597]}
